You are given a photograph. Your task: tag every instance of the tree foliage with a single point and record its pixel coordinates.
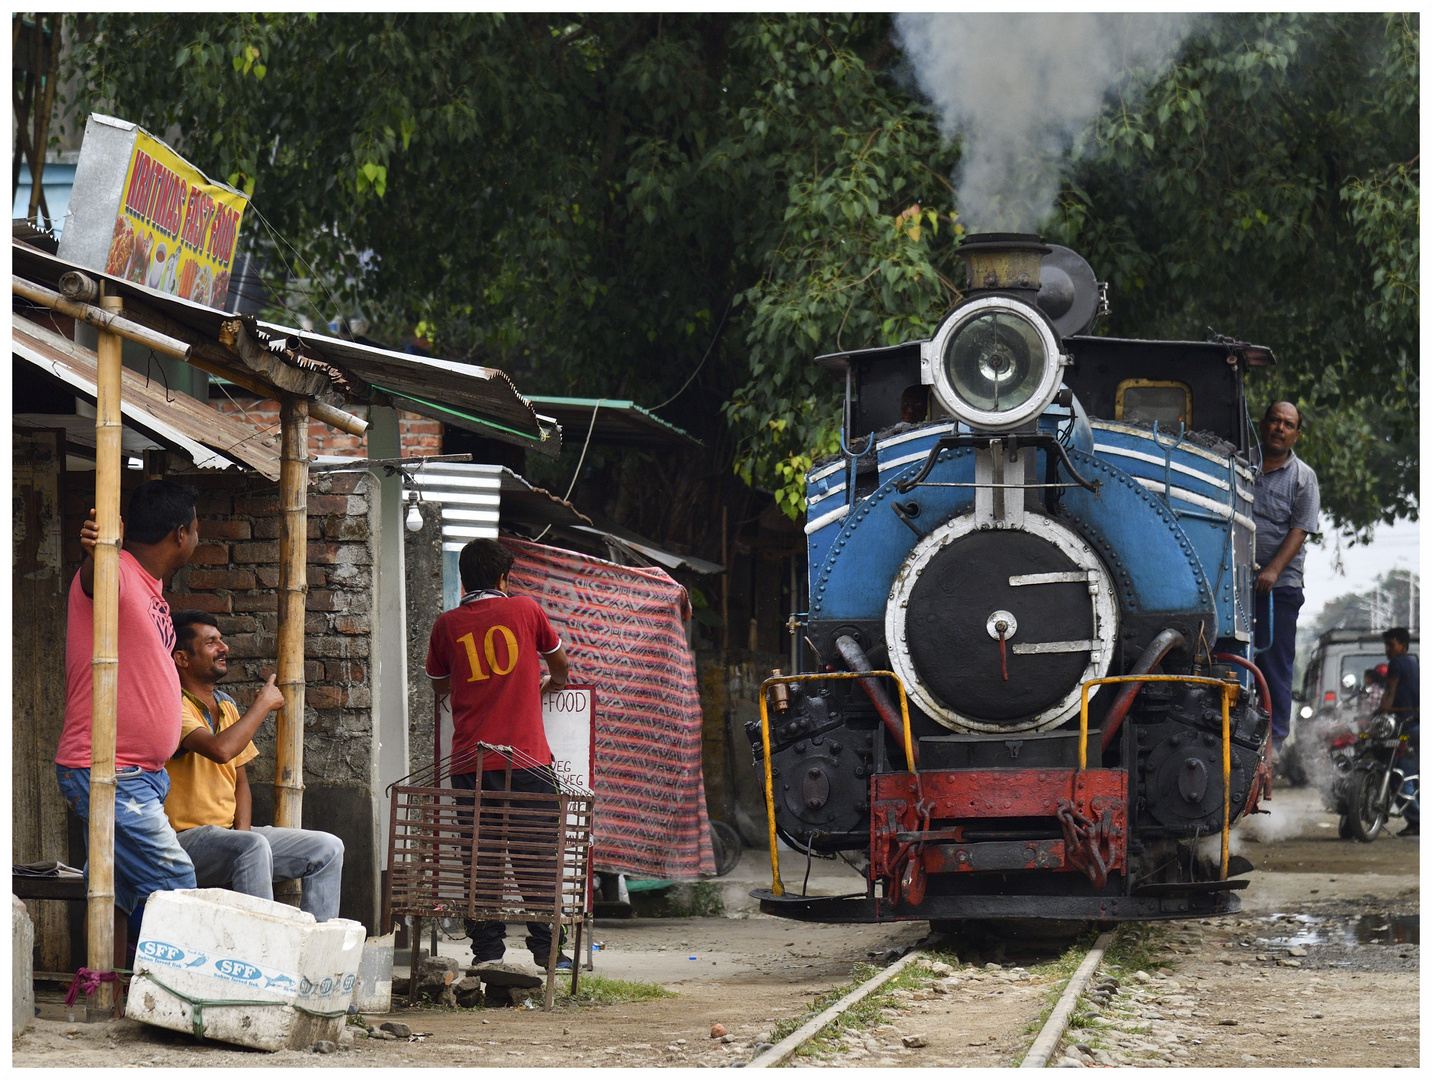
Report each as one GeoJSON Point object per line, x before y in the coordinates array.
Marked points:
{"type": "Point", "coordinates": [589, 201]}
{"type": "Point", "coordinates": [1267, 184]}
{"type": "Point", "coordinates": [692, 206]}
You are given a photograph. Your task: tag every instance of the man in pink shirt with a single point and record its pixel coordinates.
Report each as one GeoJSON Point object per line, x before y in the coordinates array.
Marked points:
{"type": "Point", "coordinates": [161, 532]}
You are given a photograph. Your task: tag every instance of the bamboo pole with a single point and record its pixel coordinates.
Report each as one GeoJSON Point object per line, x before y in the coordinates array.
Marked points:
{"type": "Point", "coordinates": [170, 338]}
{"type": "Point", "coordinates": [292, 591]}
{"type": "Point", "coordinates": [105, 664]}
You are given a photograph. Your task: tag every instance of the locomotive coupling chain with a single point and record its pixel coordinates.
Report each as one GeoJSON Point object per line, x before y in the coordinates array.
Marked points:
{"type": "Point", "coordinates": [1088, 844]}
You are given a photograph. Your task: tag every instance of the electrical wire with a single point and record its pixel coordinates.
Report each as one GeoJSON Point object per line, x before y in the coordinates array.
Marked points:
{"type": "Point", "coordinates": [704, 355]}
{"type": "Point", "coordinates": [578, 472]}
{"type": "Point", "coordinates": [279, 239]}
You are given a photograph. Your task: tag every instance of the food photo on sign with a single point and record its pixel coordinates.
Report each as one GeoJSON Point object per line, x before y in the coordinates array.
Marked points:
{"type": "Point", "coordinates": [142, 213]}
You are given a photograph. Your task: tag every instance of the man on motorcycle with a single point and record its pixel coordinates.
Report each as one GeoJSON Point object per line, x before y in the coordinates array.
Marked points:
{"type": "Point", "coordinates": [1401, 697]}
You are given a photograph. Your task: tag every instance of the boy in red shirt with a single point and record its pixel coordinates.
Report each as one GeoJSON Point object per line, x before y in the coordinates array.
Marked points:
{"type": "Point", "coordinates": [485, 653]}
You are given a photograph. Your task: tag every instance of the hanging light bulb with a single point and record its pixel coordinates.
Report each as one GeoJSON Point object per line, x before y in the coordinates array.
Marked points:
{"type": "Point", "coordinates": [415, 516]}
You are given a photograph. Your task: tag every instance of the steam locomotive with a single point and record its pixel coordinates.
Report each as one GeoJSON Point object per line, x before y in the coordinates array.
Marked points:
{"type": "Point", "coordinates": [1025, 687]}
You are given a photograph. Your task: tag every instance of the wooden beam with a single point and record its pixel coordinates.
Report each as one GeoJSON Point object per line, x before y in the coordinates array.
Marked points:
{"type": "Point", "coordinates": [105, 664]}
{"type": "Point", "coordinates": [292, 592]}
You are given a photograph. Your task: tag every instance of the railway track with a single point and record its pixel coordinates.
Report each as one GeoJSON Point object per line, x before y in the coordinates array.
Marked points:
{"type": "Point", "coordinates": [1037, 1055]}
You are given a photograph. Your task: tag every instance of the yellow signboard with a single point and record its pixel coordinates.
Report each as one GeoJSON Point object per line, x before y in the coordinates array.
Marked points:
{"type": "Point", "coordinates": [176, 230]}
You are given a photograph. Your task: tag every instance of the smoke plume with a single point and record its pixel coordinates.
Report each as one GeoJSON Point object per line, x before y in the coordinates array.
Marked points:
{"type": "Point", "coordinates": [1017, 89]}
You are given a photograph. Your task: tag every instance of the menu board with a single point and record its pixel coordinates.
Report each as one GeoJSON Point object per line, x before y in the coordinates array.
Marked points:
{"type": "Point", "coordinates": [569, 717]}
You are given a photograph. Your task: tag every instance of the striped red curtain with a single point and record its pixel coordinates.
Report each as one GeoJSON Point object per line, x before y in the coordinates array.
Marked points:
{"type": "Point", "coordinates": [623, 628]}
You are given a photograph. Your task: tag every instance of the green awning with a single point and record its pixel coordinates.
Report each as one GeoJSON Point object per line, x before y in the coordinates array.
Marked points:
{"type": "Point", "coordinates": [618, 423]}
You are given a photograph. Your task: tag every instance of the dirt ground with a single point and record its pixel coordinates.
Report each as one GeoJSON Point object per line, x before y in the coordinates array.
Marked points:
{"type": "Point", "coordinates": [1320, 969]}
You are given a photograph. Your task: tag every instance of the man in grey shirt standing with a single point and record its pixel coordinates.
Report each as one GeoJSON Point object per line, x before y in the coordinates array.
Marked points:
{"type": "Point", "coordinates": [1285, 508]}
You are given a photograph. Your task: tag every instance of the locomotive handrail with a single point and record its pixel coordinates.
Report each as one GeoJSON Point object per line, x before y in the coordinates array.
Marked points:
{"type": "Point", "coordinates": [1271, 628]}
{"type": "Point", "coordinates": [1230, 694]}
{"type": "Point", "coordinates": [777, 887]}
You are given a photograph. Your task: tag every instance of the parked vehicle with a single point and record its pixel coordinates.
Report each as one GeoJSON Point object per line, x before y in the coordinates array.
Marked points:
{"type": "Point", "coordinates": [1325, 750]}
{"type": "Point", "coordinates": [1375, 789]}
{"type": "Point", "coordinates": [1339, 660]}
{"type": "Point", "coordinates": [1336, 697]}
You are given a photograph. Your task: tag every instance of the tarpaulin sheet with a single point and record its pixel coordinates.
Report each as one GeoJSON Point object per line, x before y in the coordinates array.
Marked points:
{"type": "Point", "coordinates": [623, 631]}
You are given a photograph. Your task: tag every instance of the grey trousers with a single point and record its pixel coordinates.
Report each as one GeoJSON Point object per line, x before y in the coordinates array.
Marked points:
{"type": "Point", "coordinates": [249, 861]}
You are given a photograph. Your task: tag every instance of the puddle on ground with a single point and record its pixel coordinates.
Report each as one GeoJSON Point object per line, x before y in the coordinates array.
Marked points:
{"type": "Point", "coordinates": [1363, 930]}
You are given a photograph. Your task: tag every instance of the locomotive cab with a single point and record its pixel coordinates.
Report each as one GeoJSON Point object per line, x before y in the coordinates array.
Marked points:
{"type": "Point", "coordinates": [1021, 515]}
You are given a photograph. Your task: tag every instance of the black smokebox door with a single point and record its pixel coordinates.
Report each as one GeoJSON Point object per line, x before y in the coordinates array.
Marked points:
{"type": "Point", "coordinates": [957, 659]}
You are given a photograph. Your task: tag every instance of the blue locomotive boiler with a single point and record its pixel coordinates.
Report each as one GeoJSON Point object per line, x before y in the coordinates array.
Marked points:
{"type": "Point", "coordinates": [1025, 688]}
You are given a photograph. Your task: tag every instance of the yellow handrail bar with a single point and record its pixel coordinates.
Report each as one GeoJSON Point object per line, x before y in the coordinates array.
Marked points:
{"type": "Point", "coordinates": [776, 886]}
{"type": "Point", "coordinates": [1229, 695]}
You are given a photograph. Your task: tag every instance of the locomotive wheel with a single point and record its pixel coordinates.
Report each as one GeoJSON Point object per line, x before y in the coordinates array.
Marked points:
{"type": "Point", "coordinates": [1366, 817]}
{"type": "Point", "coordinates": [725, 847]}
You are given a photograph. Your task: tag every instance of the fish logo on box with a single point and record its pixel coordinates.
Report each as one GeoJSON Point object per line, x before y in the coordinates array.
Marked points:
{"type": "Point", "coordinates": [238, 970]}
{"type": "Point", "coordinates": [161, 952]}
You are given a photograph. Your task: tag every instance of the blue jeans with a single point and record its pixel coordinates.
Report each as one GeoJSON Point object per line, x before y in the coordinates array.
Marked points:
{"type": "Point", "coordinates": [1276, 662]}
{"type": "Point", "coordinates": [1413, 814]}
{"type": "Point", "coordinates": [147, 857]}
{"type": "Point", "coordinates": [248, 861]}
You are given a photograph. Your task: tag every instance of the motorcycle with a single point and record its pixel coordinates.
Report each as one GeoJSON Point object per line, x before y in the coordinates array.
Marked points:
{"type": "Point", "coordinates": [1375, 791]}
{"type": "Point", "coordinates": [1323, 750]}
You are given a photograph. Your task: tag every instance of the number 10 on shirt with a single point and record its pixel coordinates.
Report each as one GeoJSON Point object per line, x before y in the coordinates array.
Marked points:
{"type": "Point", "coordinates": [489, 649]}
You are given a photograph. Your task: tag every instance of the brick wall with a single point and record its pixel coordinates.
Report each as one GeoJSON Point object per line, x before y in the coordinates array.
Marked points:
{"type": "Point", "coordinates": [420, 437]}
{"type": "Point", "coordinates": [234, 575]}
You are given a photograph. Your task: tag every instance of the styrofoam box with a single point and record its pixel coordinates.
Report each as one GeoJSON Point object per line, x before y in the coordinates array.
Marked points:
{"type": "Point", "coordinates": [263, 971]}
{"type": "Point", "coordinates": [374, 992]}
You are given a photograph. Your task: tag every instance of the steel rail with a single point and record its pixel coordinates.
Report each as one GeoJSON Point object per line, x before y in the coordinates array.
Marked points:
{"type": "Point", "coordinates": [811, 1028]}
{"type": "Point", "coordinates": [1036, 1057]}
{"type": "Point", "coordinates": [1053, 1031]}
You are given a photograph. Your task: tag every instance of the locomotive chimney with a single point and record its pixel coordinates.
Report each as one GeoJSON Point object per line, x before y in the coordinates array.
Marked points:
{"type": "Point", "coordinates": [1003, 262]}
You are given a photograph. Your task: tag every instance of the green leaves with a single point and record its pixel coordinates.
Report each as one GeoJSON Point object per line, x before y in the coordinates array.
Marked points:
{"type": "Point", "coordinates": [1278, 204]}
{"type": "Point", "coordinates": [571, 197]}
{"type": "Point", "coordinates": [372, 175]}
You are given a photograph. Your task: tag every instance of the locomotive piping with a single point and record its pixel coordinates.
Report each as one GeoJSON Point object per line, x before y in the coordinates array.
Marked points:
{"type": "Point", "coordinates": [856, 660]}
{"type": "Point", "coordinates": [1266, 701]}
{"type": "Point", "coordinates": [777, 886]}
{"type": "Point", "coordinates": [1228, 692]}
{"type": "Point", "coordinates": [1039, 440]}
{"type": "Point", "coordinates": [1157, 649]}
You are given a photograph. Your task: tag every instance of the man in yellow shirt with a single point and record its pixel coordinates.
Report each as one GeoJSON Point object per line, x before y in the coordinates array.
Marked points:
{"type": "Point", "coordinates": [209, 802]}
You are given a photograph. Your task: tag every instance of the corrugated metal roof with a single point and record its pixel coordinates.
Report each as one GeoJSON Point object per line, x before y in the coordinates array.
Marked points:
{"type": "Point", "coordinates": [480, 399]}
{"type": "Point", "coordinates": [617, 423]}
{"type": "Point", "coordinates": [642, 552]}
{"type": "Point", "coordinates": [476, 398]}
{"type": "Point", "coordinates": [212, 439]}
{"type": "Point", "coordinates": [80, 433]}
{"type": "Point", "coordinates": [477, 497]}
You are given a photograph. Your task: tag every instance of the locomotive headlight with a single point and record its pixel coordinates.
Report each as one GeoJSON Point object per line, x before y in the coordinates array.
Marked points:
{"type": "Point", "coordinates": [995, 363]}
